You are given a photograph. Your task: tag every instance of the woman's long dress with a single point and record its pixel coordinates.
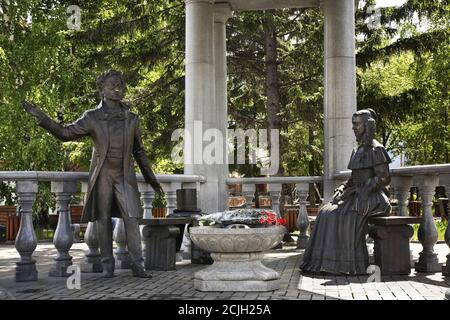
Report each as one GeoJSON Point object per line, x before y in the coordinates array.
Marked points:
{"type": "Point", "coordinates": [337, 244]}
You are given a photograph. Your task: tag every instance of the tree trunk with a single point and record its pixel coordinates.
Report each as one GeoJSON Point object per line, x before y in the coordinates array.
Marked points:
{"type": "Point", "coordinates": [273, 104]}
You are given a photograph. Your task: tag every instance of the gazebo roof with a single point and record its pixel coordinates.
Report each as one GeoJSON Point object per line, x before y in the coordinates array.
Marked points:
{"type": "Point", "coordinates": [270, 4]}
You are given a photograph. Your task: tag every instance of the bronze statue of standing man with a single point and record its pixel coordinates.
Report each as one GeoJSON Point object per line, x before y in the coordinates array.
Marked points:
{"type": "Point", "coordinates": [112, 189]}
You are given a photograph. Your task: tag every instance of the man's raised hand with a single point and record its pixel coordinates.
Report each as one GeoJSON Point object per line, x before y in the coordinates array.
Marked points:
{"type": "Point", "coordinates": [31, 109]}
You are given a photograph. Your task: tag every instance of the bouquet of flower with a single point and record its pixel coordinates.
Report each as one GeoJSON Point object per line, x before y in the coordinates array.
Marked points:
{"type": "Point", "coordinates": [251, 217]}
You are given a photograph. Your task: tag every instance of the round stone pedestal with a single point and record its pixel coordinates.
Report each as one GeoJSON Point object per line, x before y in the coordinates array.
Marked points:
{"type": "Point", "coordinates": [237, 255]}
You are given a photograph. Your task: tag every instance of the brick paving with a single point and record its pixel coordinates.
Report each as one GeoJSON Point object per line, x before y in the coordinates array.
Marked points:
{"type": "Point", "coordinates": [178, 284]}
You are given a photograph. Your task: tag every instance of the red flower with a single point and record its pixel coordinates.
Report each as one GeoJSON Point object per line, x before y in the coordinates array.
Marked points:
{"type": "Point", "coordinates": [281, 221]}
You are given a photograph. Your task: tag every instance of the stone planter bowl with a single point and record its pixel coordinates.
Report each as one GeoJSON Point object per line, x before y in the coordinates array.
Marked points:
{"type": "Point", "coordinates": [224, 240]}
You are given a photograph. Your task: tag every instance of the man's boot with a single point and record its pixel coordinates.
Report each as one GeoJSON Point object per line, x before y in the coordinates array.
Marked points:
{"type": "Point", "coordinates": [139, 271]}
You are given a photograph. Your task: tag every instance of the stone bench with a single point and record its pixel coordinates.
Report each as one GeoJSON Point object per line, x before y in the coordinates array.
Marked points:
{"type": "Point", "coordinates": [391, 243]}
{"type": "Point", "coordinates": [161, 237]}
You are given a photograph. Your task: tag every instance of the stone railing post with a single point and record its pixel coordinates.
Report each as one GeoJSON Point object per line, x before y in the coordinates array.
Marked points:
{"type": "Point", "coordinates": [402, 185]}
{"type": "Point", "coordinates": [170, 189]}
{"type": "Point", "coordinates": [92, 262]}
{"type": "Point", "coordinates": [445, 181]}
{"type": "Point", "coordinates": [147, 196]}
{"type": "Point", "coordinates": [63, 238]}
{"type": "Point", "coordinates": [275, 195]}
{"type": "Point", "coordinates": [248, 192]}
{"type": "Point", "coordinates": [121, 252]}
{"type": "Point", "coordinates": [26, 240]}
{"type": "Point", "coordinates": [302, 219]}
{"type": "Point", "coordinates": [428, 235]}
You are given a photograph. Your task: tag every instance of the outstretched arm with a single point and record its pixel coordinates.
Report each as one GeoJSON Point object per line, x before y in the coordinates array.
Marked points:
{"type": "Point", "coordinates": [143, 162]}
{"type": "Point", "coordinates": [75, 130]}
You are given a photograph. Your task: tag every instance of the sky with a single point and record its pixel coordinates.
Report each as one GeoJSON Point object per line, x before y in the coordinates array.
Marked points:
{"type": "Point", "coordinates": [390, 3]}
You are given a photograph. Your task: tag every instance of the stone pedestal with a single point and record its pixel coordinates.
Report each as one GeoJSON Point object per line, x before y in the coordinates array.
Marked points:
{"type": "Point", "coordinates": [391, 243]}
{"type": "Point", "coordinates": [160, 236]}
{"type": "Point", "coordinates": [237, 255]}
{"type": "Point", "coordinates": [237, 272]}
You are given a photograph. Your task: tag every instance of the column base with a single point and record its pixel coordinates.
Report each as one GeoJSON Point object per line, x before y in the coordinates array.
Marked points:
{"type": "Point", "coordinates": [302, 242]}
{"type": "Point", "coordinates": [60, 268]}
{"type": "Point", "coordinates": [428, 263]}
{"type": "Point", "coordinates": [26, 271]}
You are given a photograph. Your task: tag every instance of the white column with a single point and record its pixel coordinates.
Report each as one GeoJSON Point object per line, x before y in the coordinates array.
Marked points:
{"type": "Point", "coordinates": [302, 219]}
{"type": "Point", "coordinates": [26, 240]}
{"type": "Point", "coordinates": [121, 252]}
{"type": "Point", "coordinates": [63, 238]}
{"type": "Point", "coordinates": [199, 96]}
{"type": "Point", "coordinates": [444, 179]}
{"type": "Point", "coordinates": [92, 262]}
{"type": "Point", "coordinates": [222, 12]}
{"type": "Point", "coordinates": [340, 88]}
{"type": "Point", "coordinates": [428, 235]}
{"type": "Point", "coordinates": [275, 190]}
{"type": "Point", "coordinates": [147, 196]}
{"type": "Point", "coordinates": [402, 185]}
{"type": "Point", "coordinates": [170, 190]}
{"type": "Point", "coordinates": [248, 192]}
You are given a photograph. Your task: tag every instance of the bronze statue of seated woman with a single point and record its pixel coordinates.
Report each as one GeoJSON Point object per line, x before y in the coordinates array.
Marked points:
{"type": "Point", "coordinates": [338, 241]}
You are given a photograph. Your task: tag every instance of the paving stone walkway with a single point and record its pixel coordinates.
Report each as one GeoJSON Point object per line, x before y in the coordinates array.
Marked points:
{"type": "Point", "coordinates": [178, 284]}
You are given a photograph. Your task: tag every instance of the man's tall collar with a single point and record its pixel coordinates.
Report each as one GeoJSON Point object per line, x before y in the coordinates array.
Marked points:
{"type": "Point", "coordinates": [107, 109]}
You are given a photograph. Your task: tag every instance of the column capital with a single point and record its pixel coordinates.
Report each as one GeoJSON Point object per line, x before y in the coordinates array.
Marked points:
{"type": "Point", "coordinates": [222, 12]}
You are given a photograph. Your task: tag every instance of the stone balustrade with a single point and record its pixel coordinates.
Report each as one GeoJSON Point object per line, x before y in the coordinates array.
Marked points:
{"type": "Point", "coordinates": [64, 185]}
{"type": "Point", "coordinates": [426, 178]}
{"type": "Point", "coordinates": [275, 191]}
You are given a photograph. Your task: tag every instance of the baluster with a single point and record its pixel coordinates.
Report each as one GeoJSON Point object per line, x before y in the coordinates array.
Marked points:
{"type": "Point", "coordinates": [445, 180]}
{"type": "Point", "coordinates": [92, 262]}
{"type": "Point", "coordinates": [121, 251]}
{"type": "Point", "coordinates": [147, 196]}
{"type": "Point", "coordinates": [402, 185]}
{"type": "Point", "coordinates": [248, 192]}
{"type": "Point", "coordinates": [63, 238]}
{"type": "Point", "coordinates": [170, 189]}
{"type": "Point", "coordinates": [275, 195]}
{"type": "Point", "coordinates": [302, 219]}
{"type": "Point", "coordinates": [26, 240]}
{"type": "Point", "coordinates": [428, 235]}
